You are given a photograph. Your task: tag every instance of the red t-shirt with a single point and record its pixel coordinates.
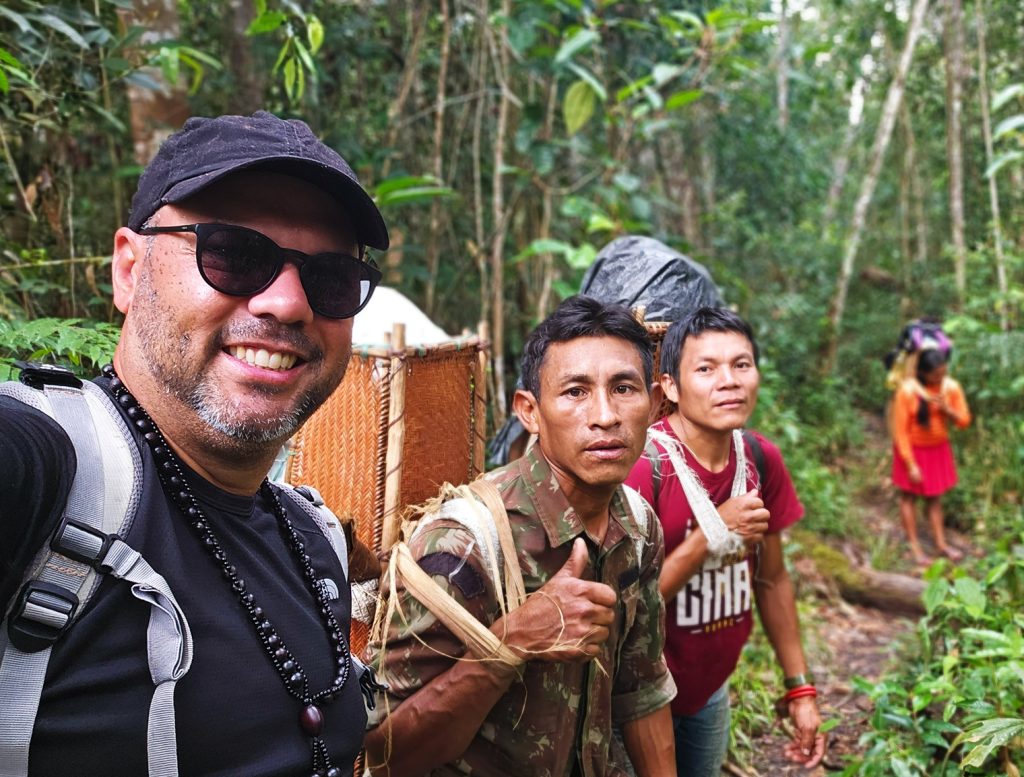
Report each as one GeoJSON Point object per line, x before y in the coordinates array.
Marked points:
{"type": "Point", "coordinates": [709, 620]}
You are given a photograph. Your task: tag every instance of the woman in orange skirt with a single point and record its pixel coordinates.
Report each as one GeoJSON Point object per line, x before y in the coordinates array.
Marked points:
{"type": "Point", "coordinates": [922, 458]}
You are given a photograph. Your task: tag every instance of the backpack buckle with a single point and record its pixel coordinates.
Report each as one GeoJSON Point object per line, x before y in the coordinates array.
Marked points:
{"type": "Point", "coordinates": [42, 614]}
{"type": "Point", "coordinates": [311, 494]}
{"type": "Point", "coordinates": [37, 375]}
{"type": "Point", "coordinates": [81, 542]}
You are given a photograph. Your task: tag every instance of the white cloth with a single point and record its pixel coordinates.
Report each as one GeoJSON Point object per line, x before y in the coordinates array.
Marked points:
{"type": "Point", "coordinates": [721, 541]}
{"type": "Point", "coordinates": [387, 307]}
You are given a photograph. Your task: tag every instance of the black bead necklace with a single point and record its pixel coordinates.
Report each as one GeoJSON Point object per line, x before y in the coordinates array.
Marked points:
{"type": "Point", "coordinates": [311, 716]}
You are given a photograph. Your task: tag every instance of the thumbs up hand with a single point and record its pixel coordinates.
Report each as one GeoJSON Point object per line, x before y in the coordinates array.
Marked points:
{"type": "Point", "coordinates": [567, 619]}
{"type": "Point", "coordinates": [747, 516]}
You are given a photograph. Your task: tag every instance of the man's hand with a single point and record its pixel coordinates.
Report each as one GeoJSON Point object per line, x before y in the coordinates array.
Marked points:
{"type": "Point", "coordinates": [746, 515]}
{"type": "Point", "coordinates": [567, 619]}
{"type": "Point", "coordinates": [808, 744]}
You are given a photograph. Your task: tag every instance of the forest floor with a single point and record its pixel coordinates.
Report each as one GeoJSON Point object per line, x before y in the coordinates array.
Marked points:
{"type": "Point", "coordinates": [844, 641]}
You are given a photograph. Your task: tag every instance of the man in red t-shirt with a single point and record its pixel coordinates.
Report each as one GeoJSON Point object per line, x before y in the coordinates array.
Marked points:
{"type": "Point", "coordinates": [723, 542]}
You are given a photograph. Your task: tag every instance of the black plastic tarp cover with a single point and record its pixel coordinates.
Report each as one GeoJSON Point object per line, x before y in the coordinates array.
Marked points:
{"type": "Point", "coordinates": [636, 270]}
{"type": "Point", "coordinates": [632, 270]}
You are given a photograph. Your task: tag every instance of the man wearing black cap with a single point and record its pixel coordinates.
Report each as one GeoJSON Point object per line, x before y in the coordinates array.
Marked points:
{"type": "Point", "coordinates": [239, 273]}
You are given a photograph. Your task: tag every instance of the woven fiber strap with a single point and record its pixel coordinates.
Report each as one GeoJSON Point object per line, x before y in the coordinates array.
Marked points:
{"type": "Point", "coordinates": [721, 541]}
{"type": "Point", "coordinates": [478, 639]}
{"type": "Point", "coordinates": [515, 588]}
{"type": "Point", "coordinates": [481, 511]}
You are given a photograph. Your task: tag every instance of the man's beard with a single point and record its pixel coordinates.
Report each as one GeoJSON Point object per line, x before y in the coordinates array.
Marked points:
{"type": "Point", "coordinates": [174, 360]}
{"type": "Point", "coordinates": [249, 431]}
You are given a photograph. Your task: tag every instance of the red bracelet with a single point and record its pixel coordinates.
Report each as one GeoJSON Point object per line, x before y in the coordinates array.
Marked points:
{"type": "Point", "coordinates": [800, 692]}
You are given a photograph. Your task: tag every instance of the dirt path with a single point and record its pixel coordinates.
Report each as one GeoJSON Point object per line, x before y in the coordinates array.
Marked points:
{"type": "Point", "coordinates": [844, 641]}
{"type": "Point", "coordinates": [849, 641]}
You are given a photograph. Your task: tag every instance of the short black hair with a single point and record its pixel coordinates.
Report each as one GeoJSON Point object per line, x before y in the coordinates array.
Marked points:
{"type": "Point", "coordinates": [702, 320]}
{"type": "Point", "coordinates": [583, 316]}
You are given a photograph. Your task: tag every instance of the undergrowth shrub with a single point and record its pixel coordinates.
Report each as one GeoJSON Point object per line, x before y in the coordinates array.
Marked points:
{"type": "Point", "coordinates": [955, 707]}
{"type": "Point", "coordinates": [83, 346]}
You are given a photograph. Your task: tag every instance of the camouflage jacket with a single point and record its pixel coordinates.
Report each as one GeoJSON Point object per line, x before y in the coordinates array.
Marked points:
{"type": "Point", "coordinates": [558, 719]}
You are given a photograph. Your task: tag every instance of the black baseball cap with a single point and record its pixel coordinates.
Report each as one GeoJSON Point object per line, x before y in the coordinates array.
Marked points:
{"type": "Point", "coordinates": [206, 150]}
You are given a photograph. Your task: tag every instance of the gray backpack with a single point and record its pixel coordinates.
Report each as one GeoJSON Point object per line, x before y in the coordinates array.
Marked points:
{"type": "Point", "coordinates": [87, 544]}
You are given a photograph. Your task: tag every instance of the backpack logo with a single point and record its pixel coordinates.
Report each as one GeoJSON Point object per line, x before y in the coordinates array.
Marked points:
{"type": "Point", "coordinates": [327, 588]}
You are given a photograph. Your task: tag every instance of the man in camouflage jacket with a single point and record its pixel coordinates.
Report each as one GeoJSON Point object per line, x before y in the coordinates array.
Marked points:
{"type": "Point", "coordinates": [592, 628]}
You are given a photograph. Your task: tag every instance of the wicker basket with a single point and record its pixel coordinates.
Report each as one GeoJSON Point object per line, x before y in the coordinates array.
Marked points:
{"type": "Point", "coordinates": [402, 422]}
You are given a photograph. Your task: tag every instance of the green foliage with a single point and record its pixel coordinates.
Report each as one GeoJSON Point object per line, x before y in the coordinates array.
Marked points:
{"type": "Point", "coordinates": [1009, 130]}
{"type": "Point", "coordinates": [84, 346]}
{"type": "Point", "coordinates": [409, 189]}
{"type": "Point", "coordinates": [753, 689]}
{"type": "Point", "coordinates": [960, 694]}
{"type": "Point", "coordinates": [295, 59]}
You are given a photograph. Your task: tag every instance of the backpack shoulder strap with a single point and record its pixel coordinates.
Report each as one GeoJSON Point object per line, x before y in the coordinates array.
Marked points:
{"type": "Point", "coordinates": [87, 543]}
{"type": "Point", "coordinates": [639, 509]}
{"type": "Point", "coordinates": [758, 453]}
{"type": "Point", "coordinates": [654, 456]}
{"type": "Point", "coordinates": [309, 500]}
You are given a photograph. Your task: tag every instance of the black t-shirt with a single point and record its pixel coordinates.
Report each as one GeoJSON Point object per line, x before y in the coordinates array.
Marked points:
{"type": "Point", "coordinates": [234, 716]}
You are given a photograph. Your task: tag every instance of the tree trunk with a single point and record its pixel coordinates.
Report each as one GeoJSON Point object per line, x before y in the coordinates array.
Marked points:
{"type": "Point", "coordinates": [782, 70]}
{"type": "Point", "coordinates": [861, 584]}
{"type": "Point", "coordinates": [155, 114]}
{"type": "Point", "coordinates": [954, 140]}
{"type": "Point", "coordinates": [249, 78]}
{"type": "Point", "coordinates": [405, 83]}
{"type": "Point", "coordinates": [434, 241]}
{"type": "Point", "coordinates": [886, 591]}
{"type": "Point", "coordinates": [906, 255]}
{"type": "Point", "coordinates": [546, 259]}
{"type": "Point", "coordinates": [706, 167]}
{"type": "Point", "coordinates": [916, 187]}
{"type": "Point", "coordinates": [867, 190]}
{"type": "Point", "coordinates": [993, 189]}
{"type": "Point", "coordinates": [479, 71]}
{"type": "Point", "coordinates": [842, 160]}
{"type": "Point", "coordinates": [499, 222]}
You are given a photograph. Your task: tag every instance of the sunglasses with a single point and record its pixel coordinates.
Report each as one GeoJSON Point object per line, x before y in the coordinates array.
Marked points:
{"type": "Point", "coordinates": [243, 262]}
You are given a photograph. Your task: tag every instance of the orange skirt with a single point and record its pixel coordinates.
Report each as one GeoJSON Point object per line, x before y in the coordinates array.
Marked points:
{"type": "Point", "coordinates": [938, 470]}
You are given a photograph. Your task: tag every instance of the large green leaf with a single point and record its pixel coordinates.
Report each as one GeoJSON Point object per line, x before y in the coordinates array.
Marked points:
{"type": "Point", "coordinates": [681, 99]}
{"type": "Point", "coordinates": [17, 18]}
{"type": "Point", "coordinates": [314, 33]}
{"type": "Point", "coordinates": [305, 56]}
{"type": "Point", "coordinates": [390, 185]}
{"type": "Point", "coordinates": [7, 58]}
{"type": "Point", "coordinates": [1006, 126]}
{"type": "Point", "coordinates": [266, 22]}
{"type": "Point", "coordinates": [578, 106]}
{"type": "Point", "coordinates": [414, 194]}
{"type": "Point", "coordinates": [970, 592]}
{"type": "Point", "coordinates": [987, 736]}
{"type": "Point", "coordinates": [663, 73]}
{"type": "Point", "coordinates": [935, 594]}
{"type": "Point", "coordinates": [1003, 96]}
{"type": "Point", "coordinates": [583, 39]}
{"type": "Point", "coordinates": [591, 79]}
{"type": "Point", "coordinates": [544, 246]}
{"type": "Point", "coordinates": [689, 19]}
{"type": "Point", "coordinates": [54, 22]}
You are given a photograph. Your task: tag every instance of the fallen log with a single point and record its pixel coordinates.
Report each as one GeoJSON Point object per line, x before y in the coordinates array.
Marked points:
{"type": "Point", "coordinates": [860, 584]}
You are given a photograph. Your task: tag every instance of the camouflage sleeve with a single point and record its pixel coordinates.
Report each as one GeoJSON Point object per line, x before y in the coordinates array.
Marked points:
{"type": "Point", "coordinates": [643, 683]}
{"type": "Point", "coordinates": [418, 648]}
